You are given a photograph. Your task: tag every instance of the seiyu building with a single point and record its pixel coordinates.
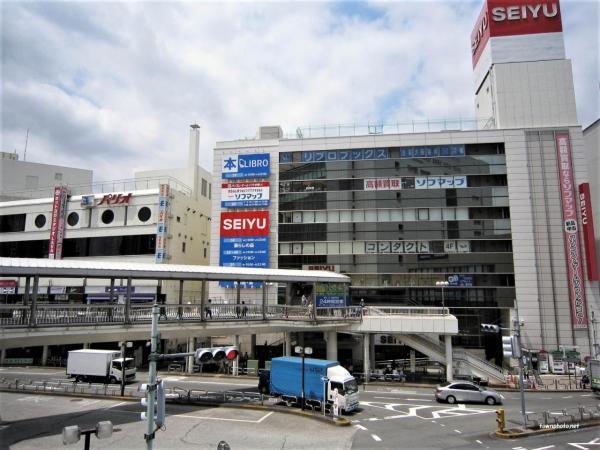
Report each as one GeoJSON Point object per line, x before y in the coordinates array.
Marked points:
{"type": "Point", "coordinates": [482, 216]}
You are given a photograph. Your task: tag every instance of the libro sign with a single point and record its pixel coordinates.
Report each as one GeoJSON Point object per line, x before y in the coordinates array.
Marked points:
{"type": "Point", "coordinates": [570, 232]}
{"type": "Point", "coordinates": [256, 165]}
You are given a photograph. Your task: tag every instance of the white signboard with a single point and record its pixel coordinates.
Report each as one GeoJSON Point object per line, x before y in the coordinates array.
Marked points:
{"type": "Point", "coordinates": [244, 195]}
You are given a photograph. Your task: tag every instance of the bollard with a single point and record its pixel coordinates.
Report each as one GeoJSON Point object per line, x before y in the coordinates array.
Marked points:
{"type": "Point", "coordinates": [500, 420]}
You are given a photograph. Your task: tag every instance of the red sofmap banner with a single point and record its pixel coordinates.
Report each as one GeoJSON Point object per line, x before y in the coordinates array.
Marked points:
{"type": "Point", "coordinates": [571, 234]}
{"type": "Point", "coordinates": [589, 237]}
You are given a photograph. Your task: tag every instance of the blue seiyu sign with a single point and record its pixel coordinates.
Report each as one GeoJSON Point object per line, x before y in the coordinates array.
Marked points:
{"type": "Point", "coordinates": [256, 165]}
{"type": "Point", "coordinates": [245, 251]}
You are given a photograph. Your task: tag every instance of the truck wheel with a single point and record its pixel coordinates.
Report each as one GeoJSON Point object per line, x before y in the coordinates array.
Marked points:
{"type": "Point", "coordinates": [113, 379]}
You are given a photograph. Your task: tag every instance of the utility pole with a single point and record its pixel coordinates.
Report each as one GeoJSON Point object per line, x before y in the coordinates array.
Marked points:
{"type": "Point", "coordinates": [151, 392]}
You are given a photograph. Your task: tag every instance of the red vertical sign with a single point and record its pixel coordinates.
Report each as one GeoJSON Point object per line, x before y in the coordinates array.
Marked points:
{"type": "Point", "coordinates": [57, 226]}
{"type": "Point", "coordinates": [589, 237]}
{"type": "Point", "coordinates": [571, 234]}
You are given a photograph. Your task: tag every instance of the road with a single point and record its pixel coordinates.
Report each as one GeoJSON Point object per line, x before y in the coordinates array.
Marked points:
{"type": "Point", "coordinates": [391, 417]}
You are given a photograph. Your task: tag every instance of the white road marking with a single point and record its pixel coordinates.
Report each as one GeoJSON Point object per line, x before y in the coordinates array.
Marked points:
{"type": "Point", "coordinates": [478, 441]}
{"type": "Point", "coordinates": [191, 416]}
{"type": "Point", "coordinates": [546, 398]}
{"type": "Point", "coordinates": [360, 427]}
{"type": "Point", "coordinates": [400, 393]}
{"type": "Point", "coordinates": [265, 416]}
{"type": "Point", "coordinates": [442, 425]}
{"type": "Point", "coordinates": [377, 438]}
{"type": "Point", "coordinates": [518, 448]}
{"type": "Point", "coordinates": [420, 399]}
{"type": "Point", "coordinates": [458, 431]}
{"type": "Point", "coordinates": [373, 419]}
{"type": "Point", "coordinates": [586, 395]}
{"type": "Point", "coordinates": [433, 421]}
{"type": "Point", "coordinates": [119, 404]}
{"type": "Point", "coordinates": [543, 448]}
{"type": "Point", "coordinates": [568, 396]}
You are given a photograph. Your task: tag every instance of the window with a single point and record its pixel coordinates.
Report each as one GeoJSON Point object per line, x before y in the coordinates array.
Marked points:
{"type": "Point", "coordinates": [423, 213]}
{"type": "Point", "coordinates": [40, 220]}
{"type": "Point", "coordinates": [32, 182]}
{"type": "Point", "coordinates": [204, 191]}
{"type": "Point", "coordinates": [12, 222]}
{"type": "Point", "coordinates": [183, 247]}
{"type": "Point", "coordinates": [205, 252]}
{"type": "Point", "coordinates": [144, 214]}
{"type": "Point", "coordinates": [73, 219]}
{"type": "Point", "coordinates": [58, 176]}
{"type": "Point", "coordinates": [108, 216]}
{"type": "Point", "coordinates": [209, 190]}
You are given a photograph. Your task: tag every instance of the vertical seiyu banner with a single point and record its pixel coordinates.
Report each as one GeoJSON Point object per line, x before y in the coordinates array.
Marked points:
{"type": "Point", "coordinates": [57, 226]}
{"type": "Point", "coordinates": [571, 234]}
{"type": "Point", "coordinates": [589, 236]}
{"type": "Point", "coordinates": [161, 224]}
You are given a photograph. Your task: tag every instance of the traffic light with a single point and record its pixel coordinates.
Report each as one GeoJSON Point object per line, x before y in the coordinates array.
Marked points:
{"type": "Point", "coordinates": [489, 328]}
{"type": "Point", "coordinates": [159, 402]}
{"type": "Point", "coordinates": [507, 346]}
{"type": "Point", "coordinates": [500, 420]}
{"type": "Point", "coordinates": [203, 355]}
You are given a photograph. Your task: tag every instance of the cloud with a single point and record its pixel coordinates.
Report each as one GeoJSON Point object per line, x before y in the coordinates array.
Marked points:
{"type": "Point", "coordinates": [113, 86]}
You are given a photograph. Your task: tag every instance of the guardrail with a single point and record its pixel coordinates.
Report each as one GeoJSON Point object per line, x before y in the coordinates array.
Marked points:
{"type": "Point", "coordinates": [562, 417]}
{"type": "Point", "coordinates": [405, 311]}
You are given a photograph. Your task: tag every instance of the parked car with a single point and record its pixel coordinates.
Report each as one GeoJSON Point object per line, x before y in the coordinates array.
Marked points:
{"type": "Point", "coordinates": [465, 391]}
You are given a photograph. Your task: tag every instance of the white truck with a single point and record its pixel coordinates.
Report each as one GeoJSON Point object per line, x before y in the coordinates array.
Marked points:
{"type": "Point", "coordinates": [104, 366]}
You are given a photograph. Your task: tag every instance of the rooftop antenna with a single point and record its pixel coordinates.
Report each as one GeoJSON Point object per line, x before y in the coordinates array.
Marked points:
{"type": "Point", "coordinates": [26, 140]}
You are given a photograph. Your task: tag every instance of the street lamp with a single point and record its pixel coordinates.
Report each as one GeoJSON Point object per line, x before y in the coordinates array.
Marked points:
{"type": "Point", "coordinates": [442, 284]}
{"type": "Point", "coordinates": [303, 351]}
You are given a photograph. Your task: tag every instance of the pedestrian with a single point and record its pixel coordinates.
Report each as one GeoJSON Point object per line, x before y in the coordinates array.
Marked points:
{"type": "Point", "coordinates": [163, 310]}
{"type": "Point", "coordinates": [584, 381]}
{"type": "Point", "coordinates": [310, 310]}
{"type": "Point", "coordinates": [244, 309]}
{"type": "Point", "coordinates": [238, 311]}
{"type": "Point", "coordinates": [207, 310]}
{"type": "Point", "coordinates": [304, 300]}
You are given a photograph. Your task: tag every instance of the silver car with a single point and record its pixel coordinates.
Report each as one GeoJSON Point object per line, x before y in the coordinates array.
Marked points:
{"type": "Point", "coordinates": [465, 391]}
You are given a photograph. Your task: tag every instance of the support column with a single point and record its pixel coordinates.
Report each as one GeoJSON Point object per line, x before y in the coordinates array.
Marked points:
{"type": "Point", "coordinates": [253, 346]}
{"type": "Point", "coordinates": [32, 317]}
{"type": "Point", "coordinates": [86, 345]}
{"type": "Point", "coordinates": [371, 352]}
{"type": "Point", "coordinates": [202, 300]}
{"type": "Point", "coordinates": [332, 350]}
{"type": "Point", "coordinates": [128, 301]}
{"type": "Point", "coordinates": [111, 292]}
{"type": "Point", "coordinates": [44, 355]}
{"type": "Point", "coordinates": [288, 343]}
{"type": "Point", "coordinates": [264, 300]}
{"type": "Point", "coordinates": [190, 359]}
{"type": "Point", "coordinates": [2, 356]}
{"type": "Point", "coordinates": [366, 356]}
{"type": "Point", "coordinates": [449, 371]}
{"type": "Point", "coordinates": [180, 301]}
{"type": "Point", "coordinates": [236, 361]}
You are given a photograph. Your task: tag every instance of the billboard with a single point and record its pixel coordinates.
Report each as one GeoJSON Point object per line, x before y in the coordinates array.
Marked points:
{"type": "Point", "coordinates": [160, 254]}
{"type": "Point", "coordinates": [589, 236]}
{"type": "Point", "coordinates": [570, 232]}
{"type": "Point", "coordinates": [331, 295]}
{"type": "Point", "coordinates": [441, 182]}
{"type": "Point", "coordinates": [256, 165]}
{"type": "Point", "coordinates": [246, 223]}
{"type": "Point", "coordinates": [245, 195]}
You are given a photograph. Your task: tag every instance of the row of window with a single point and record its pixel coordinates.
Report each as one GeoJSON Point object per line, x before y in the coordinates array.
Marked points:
{"type": "Point", "coordinates": [500, 215]}
{"type": "Point", "coordinates": [80, 247]}
{"type": "Point", "coordinates": [393, 247]}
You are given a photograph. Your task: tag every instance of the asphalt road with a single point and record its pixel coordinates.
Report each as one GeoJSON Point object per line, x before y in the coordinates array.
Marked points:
{"type": "Point", "coordinates": [391, 417]}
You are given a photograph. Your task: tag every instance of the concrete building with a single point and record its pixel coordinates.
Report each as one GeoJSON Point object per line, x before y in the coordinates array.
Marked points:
{"type": "Point", "coordinates": [479, 216]}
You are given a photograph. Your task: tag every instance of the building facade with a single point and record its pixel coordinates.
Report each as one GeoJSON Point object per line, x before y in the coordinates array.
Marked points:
{"type": "Point", "coordinates": [483, 220]}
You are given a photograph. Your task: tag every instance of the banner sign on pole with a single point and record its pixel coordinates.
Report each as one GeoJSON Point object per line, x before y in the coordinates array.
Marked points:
{"type": "Point", "coordinates": [244, 195]}
{"type": "Point", "coordinates": [57, 226]}
{"type": "Point", "coordinates": [570, 231]}
{"type": "Point", "coordinates": [161, 224]}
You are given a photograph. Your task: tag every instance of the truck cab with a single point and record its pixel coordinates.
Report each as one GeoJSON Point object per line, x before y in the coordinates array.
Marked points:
{"type": "Point", "coordinates": [347, 389]}
{"type": "Point", "coordinates": [116, 370]}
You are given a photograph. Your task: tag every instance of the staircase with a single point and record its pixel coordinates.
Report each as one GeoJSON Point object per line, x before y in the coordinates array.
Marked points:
{"type": "Point", "coordinates": [464, 363]}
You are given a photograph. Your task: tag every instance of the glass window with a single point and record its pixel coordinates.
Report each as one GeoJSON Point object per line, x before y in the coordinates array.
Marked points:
{"type": "Point", "coordinates": [383, 215]}
{"type": "Point", "coordinates": [308, 216]}
{"type": "Point", "coordinates": [435, 214]}
{"type": "Point", "coordinates": [144, 214]}
{"type": "Point", "coordinates": [371, 215]}
{"type": "Point", "coordinates": [320, 216]}
{"type": "Point", "coordinates": [462, 213]}
{"type": "Point", "coordinates": [284, 249]}
{"type": "Point", "coordinates": [346, 248]}
{"type": "Point", "coordinates": [320, 248]}
{"type": "Point", "coordinates": [58, 176]}
{"type": "Point", "coordinates": [409, 215]}
{"type": "Point", "coordinates": [209, 190]}
{"type": "Point", "coordinates": [423, 213]}
{"type": "Point", "coordinates": [333, 248]}
{"type": "Point", "coordinates": [14, 222]}
{"type": "Point", "coordinates": [358, 215]}
{"type": "Point", "coordinates": [448, 214]}
{"type": "Point", "coordinates": [308, 248]}
{"type": "Point", "coordinates": [296, 248]}
{"type": "Point", "coordinates": [204, 188]}
{"type": "Point", "coordinates": [40, 220]}
{"type": "Point", "coordinates": [108, 216]}
{"type": "Point", "coordinates": [396, 215]}
{"type": "Point", "coordinates": [73, 219]}
{"type": "Point", "coordinates": [358, 248]}
{"type": "Point", "coordinates": [297, 217]}
{"type": "Point", "coordinates": [346, 216]}
{"type": "Point", "coordinates": [333, 216]}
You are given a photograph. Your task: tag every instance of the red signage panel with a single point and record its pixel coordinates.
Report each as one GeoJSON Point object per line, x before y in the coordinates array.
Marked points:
{"type": "Point", "coordinates": [515, 18]}
{"type": "Point", "coordinates": [589, 237]}
{"type": "Point", "coordinates": [57, 225]}
{"type": "Point", "coordinates": [248, 223]}
{"type": "Point", "coordinates": [571, 234]}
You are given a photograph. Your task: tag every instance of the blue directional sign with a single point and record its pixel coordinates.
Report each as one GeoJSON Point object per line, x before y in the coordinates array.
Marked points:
{"type": "Point", "coordinates": [256, 165]}
{"type": "Point", "coordinates": [245, 251]}
{"type": "Point", "coordinates": [331, 301]}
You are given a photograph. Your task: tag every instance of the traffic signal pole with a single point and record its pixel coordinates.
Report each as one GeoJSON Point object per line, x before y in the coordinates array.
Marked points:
{"type": "Point", "coordinates": [151, 391]}
{"type": "Point", "coordinates": [520, 355]}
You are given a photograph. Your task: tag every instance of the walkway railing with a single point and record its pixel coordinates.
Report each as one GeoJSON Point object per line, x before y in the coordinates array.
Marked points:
{"type": "Point", "coordinates": [405, 311]}
{"type": "Point", "coordinates": [20, 316]}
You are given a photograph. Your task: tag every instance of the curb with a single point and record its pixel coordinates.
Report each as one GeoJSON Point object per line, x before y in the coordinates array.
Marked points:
{"type": "Point", "coordinates": [517, 433]}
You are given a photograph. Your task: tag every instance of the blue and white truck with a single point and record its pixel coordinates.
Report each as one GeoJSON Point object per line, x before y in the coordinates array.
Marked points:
{"type": "Point", "coordinates": [320, 377]}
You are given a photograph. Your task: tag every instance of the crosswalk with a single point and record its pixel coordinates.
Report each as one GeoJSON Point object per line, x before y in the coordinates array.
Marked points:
{"type": "Point", "coordinates": [407, 410]}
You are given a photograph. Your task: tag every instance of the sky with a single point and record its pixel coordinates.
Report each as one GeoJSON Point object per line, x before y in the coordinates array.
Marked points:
{"type": "Point", "coordinates": [114, 86]}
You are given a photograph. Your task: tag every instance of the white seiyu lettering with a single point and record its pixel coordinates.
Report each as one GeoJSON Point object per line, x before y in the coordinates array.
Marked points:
{"type": "Point", "coordinates": [583, 208]}
{"type": "Point", "coordinates": [524, 12]}
{"type": "Point", "coordinates": [480, 30]}
{"type": "Point", "coordinates": [245, 224]}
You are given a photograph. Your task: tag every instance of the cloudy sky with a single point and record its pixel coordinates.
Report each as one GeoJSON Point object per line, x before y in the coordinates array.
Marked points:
{"type": "Point", "coordinates": [114, 86]}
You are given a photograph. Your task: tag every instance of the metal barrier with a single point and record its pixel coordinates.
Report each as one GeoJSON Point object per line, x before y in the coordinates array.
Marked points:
{"type": "Point", "coordinates": [566, 416]}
